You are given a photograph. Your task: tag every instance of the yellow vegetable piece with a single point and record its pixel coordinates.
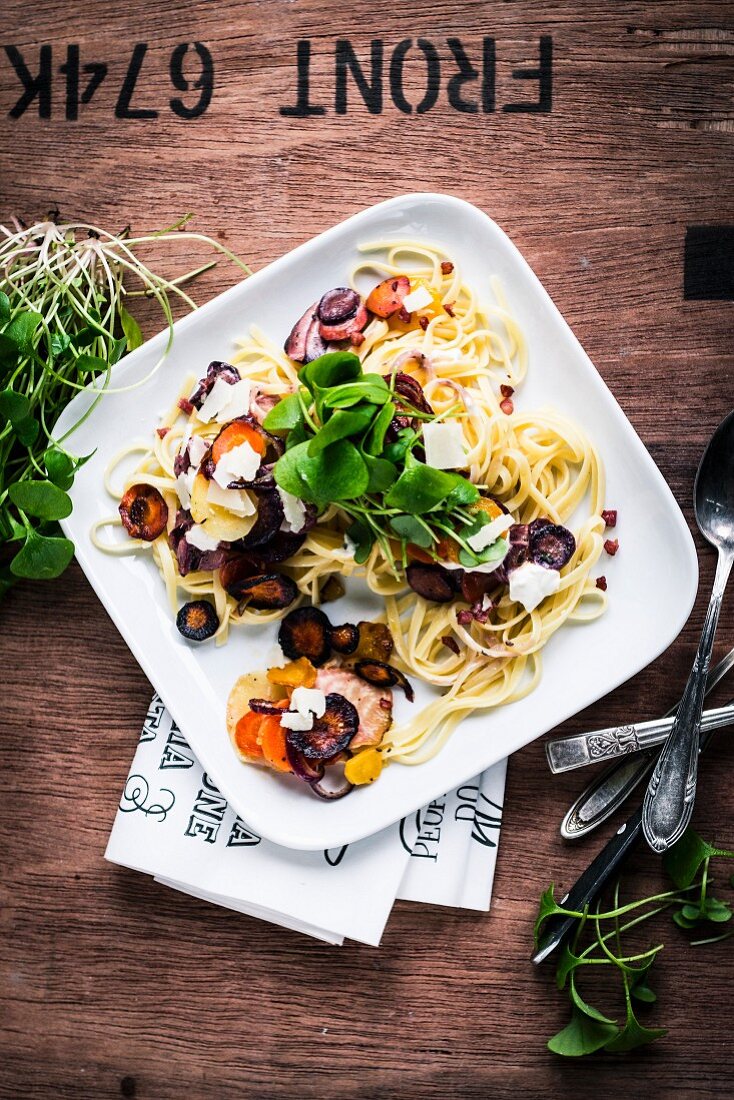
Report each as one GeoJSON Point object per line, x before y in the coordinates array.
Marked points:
{"type": "Point", "coordinates": [220, 523]}
{"type": "Point", "coordinates": [363, 768]}
{"type": "Point", "coordinates": [300, 673]}
{"type": "Point", "coordinates": [492, 509]}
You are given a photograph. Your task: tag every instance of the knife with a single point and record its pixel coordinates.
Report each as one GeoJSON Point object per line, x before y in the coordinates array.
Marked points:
{"type": "Point", "coordinates": [595, 877]}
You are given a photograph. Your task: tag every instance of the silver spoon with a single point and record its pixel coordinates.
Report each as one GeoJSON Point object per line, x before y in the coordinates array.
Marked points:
{"type": "Point", "coordinates": [671, 793]}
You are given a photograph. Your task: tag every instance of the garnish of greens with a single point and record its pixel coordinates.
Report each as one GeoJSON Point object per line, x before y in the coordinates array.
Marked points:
{"type": "Point", "coordinates": [337, 452]}
{"type": "Point", "coordinates": [64, 323]}
{"type": "Point", "coordinates": [597, 943]}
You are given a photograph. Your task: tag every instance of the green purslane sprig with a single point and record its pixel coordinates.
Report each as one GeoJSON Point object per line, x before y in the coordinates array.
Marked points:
{"type": "Point", "coordinates": [336, 452]}
{"type": "Point", "coordinates": [64, 324]}
{"type": "Point", "coordinates": [692, 906]}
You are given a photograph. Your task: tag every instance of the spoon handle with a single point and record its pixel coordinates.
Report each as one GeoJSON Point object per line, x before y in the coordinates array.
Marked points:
{"type": "Point", "coordinates": [671, 793]}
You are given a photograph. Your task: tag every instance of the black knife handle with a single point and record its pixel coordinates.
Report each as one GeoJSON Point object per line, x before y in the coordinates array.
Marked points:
{"type": "Point", "coordinates": [593, 880]}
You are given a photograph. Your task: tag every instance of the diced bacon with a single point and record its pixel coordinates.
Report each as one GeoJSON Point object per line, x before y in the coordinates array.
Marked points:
{"type": "Point", "coordinates": [162, 432]}
{"type": "Point", "coordinates": [611, 546]}
{"type": "Point", "coordinates": [449, 307]}
{"type": "Point", "coordinates": [423, 322]}
{"type": "Point", "coordinates": [373, 705]}
{"type": "Point", "coordinates": [507, 406]}
{"type": "Point", "coordinates": [609, 515]}
{"type": "Point", "coordinates": [601, 582]}
{"type": "Point", "coordinates": [506, 391]}
{"type": "Point", "coordinates": [446, 267]}
{"type": "Point", "coordinates": [447, 640]}
{"type": "Point", "coordinates": [185, 405]}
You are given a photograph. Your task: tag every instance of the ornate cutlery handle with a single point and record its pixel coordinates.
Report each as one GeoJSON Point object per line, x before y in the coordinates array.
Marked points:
{"type": "Point", "coordinates": [608, 791]}
{"type": "Point", "coordinates": [671, 793]}
{"type": "Point", "coordinates": [566, 753]}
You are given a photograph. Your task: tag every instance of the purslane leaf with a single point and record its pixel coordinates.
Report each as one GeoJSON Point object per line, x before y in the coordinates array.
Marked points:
{"type": "Point", "coordinates": [582, 1035]}
{"type": "Point", "coordinates": [284, 416]}
{"type": "Point", "coordinates": [40, 499]}
{"type": "Point", "coordinates": [130, 327]}
{"type": "Point", "coordinates": [336, 473]}
{"type": "Point", "coordinates": [41, 557]}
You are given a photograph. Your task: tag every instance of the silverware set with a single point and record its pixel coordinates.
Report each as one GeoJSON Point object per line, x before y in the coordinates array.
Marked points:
{"type": "Point", "coordinates": [665, 751]}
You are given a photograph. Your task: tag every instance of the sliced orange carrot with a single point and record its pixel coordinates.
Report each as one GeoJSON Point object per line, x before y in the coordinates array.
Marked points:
{"type": "Point", "coordinates": [246, 733]}
{"type": "Point", "coordinates": [233, 435]}
{"type": "Point", "coordinates": [387, 297]}
{"type": "Point", "coordinates": [272, 742]}
{"type": "Point", "coordinates": [415, 553]}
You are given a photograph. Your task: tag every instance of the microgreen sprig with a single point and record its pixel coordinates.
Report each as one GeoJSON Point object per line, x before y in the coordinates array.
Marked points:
{"type": "Point", "coordinates": [692, 906]}
{"type": "Point", "coordinates": [63, 325]}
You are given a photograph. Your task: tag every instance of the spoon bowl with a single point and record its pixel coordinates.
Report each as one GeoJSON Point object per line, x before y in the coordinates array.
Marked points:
{"type": "Point", "coordinates": [713, 493]}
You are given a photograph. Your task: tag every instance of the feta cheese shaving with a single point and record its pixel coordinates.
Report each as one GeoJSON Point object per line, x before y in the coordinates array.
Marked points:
{"type": "Point", "coordinates": [215, 401]}
{"type": "Point", "coordinates": [184, 487]}
{"type": "Point", "coordinates": [197, 449]}
{"type": "Point", "coordinates": [491, 531]}
{"type": "Point", "coordinates": [239, 401]}
{"type": "Point", "coordinates": [294, 511]}
{"type": "Point", "coordinates": [234, 500]}
{"type": "Point", "coordinates": [445, 444]}
{"type": "Point", "coordinates": [417, 299]}
{"type": "Point", "coordinates": [242, 461]}
{"type": "Point", "coordinates": [201, 539]}
{"type": "Point", "coordinates": [531, 583]}
{"type": "Point", "coordinates": [292, 720]}
{"type": "Point", "coordinates": [308, 701]}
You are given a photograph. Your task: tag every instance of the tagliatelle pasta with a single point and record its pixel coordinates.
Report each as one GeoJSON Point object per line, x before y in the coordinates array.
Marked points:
{"type": "Point", "coordinates": [536, 463]}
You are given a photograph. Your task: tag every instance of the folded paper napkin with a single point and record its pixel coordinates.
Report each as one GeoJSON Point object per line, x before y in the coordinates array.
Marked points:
{"type": "Point", "coordinates": [174, 824]}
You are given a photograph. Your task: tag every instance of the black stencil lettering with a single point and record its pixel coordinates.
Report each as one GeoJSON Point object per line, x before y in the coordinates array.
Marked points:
{"type": "Point", "coordinates": [543, 74]}
{"type": "Point", "coordinates": [347, 63]}
{"type": "Point", "coordinates": [123, 108]}
{"type": "Point", "coordinates": [71, 71]}
{"type": "Point", "coordinates": [205, 81]}
{"type": "Point", "coordinates": [489, 75]}
{"type": "Point", "coordinates": [708, 268]}
{"type": "Point", "coordinates": [33, 86]}
{"type": "Point", "coordinates": [433, 76]}
{"type": "Point", "coordinates": [302, 108]}
{"type": "Point", "coordinates": [97, 72]}
{"type": "Point", "coordinates": [466, 73]}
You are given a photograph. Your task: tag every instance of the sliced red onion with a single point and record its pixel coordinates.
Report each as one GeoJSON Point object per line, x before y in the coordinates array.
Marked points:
{"type": "Point", "coordinates": [308, 770]}
{"type": "Point", "coordinates": [411, 389]}
{"type": "Point", "coordinates": [264, 706]}
{"type": "Point", "coordinates": [333, 785]}
{"type": "Point", "coordinates": [267, 524]}
{"type": "Point", "coordinates": [295, 345]}
{"type": "Point", "coordinates": [344, 330]}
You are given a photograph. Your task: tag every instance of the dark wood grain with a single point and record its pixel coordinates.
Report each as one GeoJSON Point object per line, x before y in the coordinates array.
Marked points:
{"type": "Point", "coordinates": [112, 985]}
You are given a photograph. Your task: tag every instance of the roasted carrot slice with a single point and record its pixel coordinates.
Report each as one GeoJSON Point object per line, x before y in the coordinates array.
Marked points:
{"type": "Point", "coordinates": [236, 433]}
{"type": "Point", "coordinates": [246, 733]}
{"type": "Point", "coordinates": [387, 296]}
{"type": "Point", "coordinates": [300, 673]}
{"type": "Point", "coordinates": [272, 743]}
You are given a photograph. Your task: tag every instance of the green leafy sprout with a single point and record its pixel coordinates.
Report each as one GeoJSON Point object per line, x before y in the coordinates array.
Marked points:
{"type": "Point", "coordinates": [597, 942]}
{"type": "Point", "coordinates": [64, 323]}
{"type": "Point", "coordinates": [337, 452]}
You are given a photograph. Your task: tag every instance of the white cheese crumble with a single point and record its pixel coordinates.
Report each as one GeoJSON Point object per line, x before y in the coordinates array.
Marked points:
{"type": "Point", "coordinates": [308, 700]}
{"type": "Point", "coordinates": [294, 511]}
{"type": "Point", "coordinates": [242, 461]}
{"type": "Point", "coordinates": [215, 401]}
{"type": "Point", "coordinates": [239, 401]}
{"type": "Point", "coordinates": [491, 531]}
{"type": "Point", "coordinates": [200, 538]}
{"type": "Point", "coordinates": [234, 500]}
{"type": "Point", "coordinates": [445, 444]}
{"type": "Point", "coordinates": [531, 583]}
{"type": "Point", "coordinates": [292, 720]}
{"type": "Point", "coordinates": [197, 449]}
{"type": "Point", "coordinates": [417, 299]}
{"type": "Point", "coordinates": [184, 487]}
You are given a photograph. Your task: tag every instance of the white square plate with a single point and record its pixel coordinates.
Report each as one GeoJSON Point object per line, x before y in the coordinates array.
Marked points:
{"type": "Point", "coordinates": [652, 582]}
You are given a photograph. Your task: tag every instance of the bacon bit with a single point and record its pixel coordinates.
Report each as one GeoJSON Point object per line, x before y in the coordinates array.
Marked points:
{"type": "Point", "coordinates": [464, 617]}
{"type": "Point", "coordinates": [356, 339]}
{"type": "Point", "coordinates": [609, 515]}
{"type": "Point", "coordinates": [185, 405]}
{"type": "Point", "coordinates": [506, 391]}
{"type": "Point", "coordinates": [601, 582]}
{"type": "Point", "coordinates": [507, 407]}
{"type": "Point", "coordinates": [611, 546]}
{"type": "Point", "coordinates": [446, 268]}
{"type": "Point", "coordinates": [163, 432]}
{"type": "Point", "coordinates": [404, 315]}
{"type": "Point", "coordinates": [423, 322]}
{"type": "Point", "coordinates": [475, 614]}
{"type": "Point", "coordinates": [447, 640]}
{"type": "Point", "coordinates": [449, 307]}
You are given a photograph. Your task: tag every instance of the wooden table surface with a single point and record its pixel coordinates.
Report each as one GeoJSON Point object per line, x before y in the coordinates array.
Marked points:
{"type": "Point", "coordinates": [112, 985]}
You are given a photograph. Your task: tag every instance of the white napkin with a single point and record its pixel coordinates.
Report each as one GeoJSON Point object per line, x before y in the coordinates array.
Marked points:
{"type": "Point", "coordinates": [174, 824]}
